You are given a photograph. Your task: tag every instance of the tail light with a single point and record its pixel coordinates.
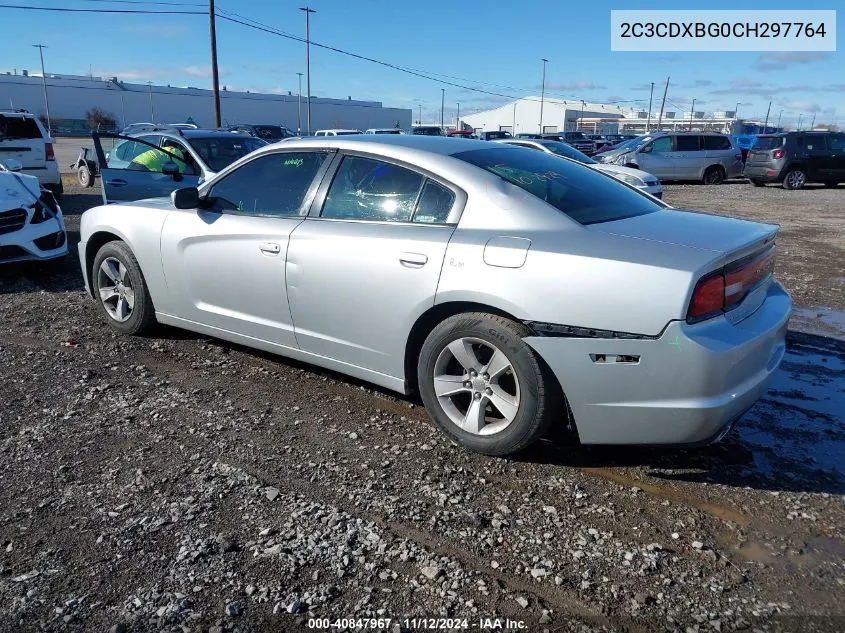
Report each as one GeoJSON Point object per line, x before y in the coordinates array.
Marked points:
{"type": "Point", "coordinates": [725, 289]}
{"type": "Point", "coordinates": [738, 156]}
{"type": "Point", "coordinates": [49, 154]}
{"type": "Point", "coordinates": [778, 153]}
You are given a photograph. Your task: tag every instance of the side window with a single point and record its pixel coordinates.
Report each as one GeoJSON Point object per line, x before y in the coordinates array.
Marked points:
{"type": "Point", "coordinates": [181, 156]}
{"type": "Point", "coordinates": [687, 143]}
{"type": "Point", "coordinates": [366, 189]}
{"type": "Point", "coordinates": [435, 203]}
{"type": "Point", "coordinates": [716, 142]}
{"type": "Point", "coordinates": [816, 142]}
{"type": "Point", "coordinates": [837, 142]}
{"type": "Point", "coordinates": [273, 184]}
{"type": "Point", "coordinates": [662, 144]}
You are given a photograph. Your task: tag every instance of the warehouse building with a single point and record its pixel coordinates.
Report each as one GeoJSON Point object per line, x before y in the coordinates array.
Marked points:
{"type": "Point", "coordinates": [523, 115]}
{"type": "Point", "coordinates": [71, 97]}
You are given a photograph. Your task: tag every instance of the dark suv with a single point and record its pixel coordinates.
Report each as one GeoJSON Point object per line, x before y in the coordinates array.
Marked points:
{"type": "Point", "coordinates": [796, 158]}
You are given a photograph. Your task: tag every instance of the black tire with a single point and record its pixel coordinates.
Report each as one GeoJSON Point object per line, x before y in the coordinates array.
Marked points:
{"type": "Point", "coordinates": [831, 185]}
{"type": "Point", "coordinates": [795, 179]}
{"type": "Point", "coordinates": [83, 174]}
{"type": "Point", "coordinates": [757, 183]}
{"type": "Point", "coordinates": [142, 316]}
{"type": "Point", "coordinates": [537, 395]}
{"type": "Point", "coordinates": [714, 175]}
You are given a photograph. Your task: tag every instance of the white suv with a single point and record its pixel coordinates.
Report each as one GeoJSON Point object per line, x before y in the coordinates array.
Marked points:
{"type": "Point", "coordinates": [24, 139]}
{"type": "Point", "coordinates": [336, 132]}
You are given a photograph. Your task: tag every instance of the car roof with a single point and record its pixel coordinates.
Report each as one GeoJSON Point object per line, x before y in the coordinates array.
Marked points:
{"type": "Point", "coordinates": [443, 145]}
{"type": "Point", "coordinates": [189, 134]}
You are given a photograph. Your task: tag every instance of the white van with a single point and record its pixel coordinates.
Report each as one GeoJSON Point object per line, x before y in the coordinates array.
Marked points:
{"type": "Point", "coordinates": [24, 139]}
{"type": "Point", "coordinates": [336, 132]}
{"type": "Point", "coordinates": [383, 130]}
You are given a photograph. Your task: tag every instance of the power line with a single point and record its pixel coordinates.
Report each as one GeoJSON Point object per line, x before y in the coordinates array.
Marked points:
{"type": "Point", "coordinates": [121, 11]}
{"type": "Point", "coordinates": [166, 4]}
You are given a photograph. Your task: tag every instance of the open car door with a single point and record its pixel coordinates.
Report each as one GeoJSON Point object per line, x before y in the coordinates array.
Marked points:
{"type": "Point", "coordinates": [124, 177]}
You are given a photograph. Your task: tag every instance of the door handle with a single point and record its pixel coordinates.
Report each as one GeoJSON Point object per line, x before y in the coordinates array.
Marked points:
{"type": "Point", "coordinates": [413, 260]}
{"type": "Point", "coordinates": [271, 248]}
{"type": "Point", "coordinates": [117, 182]}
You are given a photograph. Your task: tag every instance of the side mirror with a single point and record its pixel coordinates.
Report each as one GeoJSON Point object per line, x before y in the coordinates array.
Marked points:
{"type": "Point", "coordinates": [187, 198]}
{"type": "Point", "coordinates": [171, 169]}
{"type": "Point", "coordinates": [12, 164]}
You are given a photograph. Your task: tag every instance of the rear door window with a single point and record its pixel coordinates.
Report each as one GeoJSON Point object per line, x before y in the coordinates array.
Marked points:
{"type": "Point", "coordinates": [837, 142]}
{"type": "Point", "coordinates": [687, 143]}
{"type": "Point", "coordinates": [716, 142]}
{"type": "Point", "coordinates": [434, 205]}
{"type": "Point", "coordinates": [815, 142]}
{"type": "Point", "coordinates": [658, 145]}
{"type": "Point", "coordinates": [17, 127]}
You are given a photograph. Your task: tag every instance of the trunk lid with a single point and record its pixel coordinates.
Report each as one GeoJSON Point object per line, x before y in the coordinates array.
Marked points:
{"type": "Point", "coordinates": [21, 139]}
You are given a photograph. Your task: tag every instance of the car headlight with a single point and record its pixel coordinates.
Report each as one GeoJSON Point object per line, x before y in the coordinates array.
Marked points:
{"type": "Point", "coordinates": [628, 179]}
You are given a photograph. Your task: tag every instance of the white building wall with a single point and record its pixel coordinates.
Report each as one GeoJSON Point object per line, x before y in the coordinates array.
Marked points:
{"type": "Point", "coordinates": [525, 113]}
{"type": "Point", "coordinates": [130, 103]}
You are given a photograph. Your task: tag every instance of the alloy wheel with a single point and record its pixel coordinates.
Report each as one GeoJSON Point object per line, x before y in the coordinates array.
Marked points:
{"type": "Point", "coordinates": [476, 386]}
{"type": "Point", "coordinates": [796, 179]}
{"type": "Point", "coordinates": [114, 286]}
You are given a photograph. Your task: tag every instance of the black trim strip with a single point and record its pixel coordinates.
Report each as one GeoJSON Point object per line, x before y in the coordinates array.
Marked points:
{"type": "Point", "coordinates": [570, 331]}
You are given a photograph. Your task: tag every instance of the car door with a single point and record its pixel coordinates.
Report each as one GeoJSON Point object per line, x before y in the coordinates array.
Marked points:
{"type": "Point", "coordinates": [365, 264]}
{"type": "Point", "coordinates": [124, 180]}
{"type": "Point", "coordinates": [224, 262]}
{"type": "Point", "coordinates": [819, 157]}
{"type": "Point", "coordinates": [688, 155]}
{"type": "Point", "coordinates": [837, 157]}
{"type": "Point", "coordinates": [656, 157]}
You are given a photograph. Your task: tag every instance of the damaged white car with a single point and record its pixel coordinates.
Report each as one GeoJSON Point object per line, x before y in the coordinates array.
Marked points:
{"type": "Point", "coordinates": [31, 223]}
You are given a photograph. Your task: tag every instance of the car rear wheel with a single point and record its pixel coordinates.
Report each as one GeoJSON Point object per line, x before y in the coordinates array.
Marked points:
{"type": "Point", "coordinates": [757, 183]}
{"type": "Point", "coordinates": [83, 174]}
{"type": "Point", "coordinates": [120, 289]}
{"type": "Point", "coordinates": [483, 385]}
{"type": "Point", "coordinates": [714, 175]}
{"type": "Point", "coordinates": [795, 179]}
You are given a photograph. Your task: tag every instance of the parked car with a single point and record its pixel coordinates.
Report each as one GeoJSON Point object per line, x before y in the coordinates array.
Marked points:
{"type": "Point", "coordinates": [574, 138]}
{"type": "Point", "coordinates": [24, 139]}
{"type": "Point", "coordinates": [383, 130]}
{"type": "Point", "coordinates": [461, 134]}
{"type": "Point", "coordinates": [636, 178]}
{"type": "Point", "coordinates": [426, 130]}
{"type": "Point", "coordinates": [513, 289]}
{"type": "Point", "coordinates": [267, 133]}
{"type": "Point", "coordinates": [706, 156]}
{"type": "Point", "coordinates": [610, 155]}
{"type": "Point", "coordinates": [494, 135]}
{"type": "Point", "coordinates": [337, 132]}
{"type": "Point", "coordinates": [797, 158]}
{"type": "Point", "coordinates": [600, 141]}
{"type": "Point", "coordinates": [181, 157]}
{"type": "Point", "coordinates": [31, 223]}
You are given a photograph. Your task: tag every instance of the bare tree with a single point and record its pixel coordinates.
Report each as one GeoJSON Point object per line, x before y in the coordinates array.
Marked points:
{"type": "Point", "coordinates": [99, 119]}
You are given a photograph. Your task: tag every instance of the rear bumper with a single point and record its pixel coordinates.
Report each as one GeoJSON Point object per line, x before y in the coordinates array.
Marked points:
{"type": "Point", "coordinates": [762, 172]}
{"type": "Point", "coordinates": [47, 175]}
{"type": "Point", "coordinates": [686, 387]}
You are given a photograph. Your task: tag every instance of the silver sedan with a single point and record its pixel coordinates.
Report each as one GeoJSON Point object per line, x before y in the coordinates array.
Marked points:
{"type": "Point", "coordinates": [514, 290]}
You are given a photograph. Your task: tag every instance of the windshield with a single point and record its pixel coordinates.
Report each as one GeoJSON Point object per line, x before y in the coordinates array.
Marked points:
{"type": "Point", "coordinates": [567, 151]}
{"type": "Point", "coordinates": [584, 194]}
{"type": "Point", "coordinates": [387, 131]}
{"type": "Point", "coordinates": [427, 131]}
{"type": "Point", "coordinates": [269, 132]}
{"type": "Point", "coordinates": [220, 152]}
{"type": "Point", "coordinates": [576, 136]}
{"type": "Point", "coordinates": [768, 142]}
{"type": "Point", "coordinates": [346, 132]}
{"type": "Point", "coordinates": [633, 143]}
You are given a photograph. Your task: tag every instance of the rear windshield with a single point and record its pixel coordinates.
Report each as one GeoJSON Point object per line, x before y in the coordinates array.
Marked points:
{"type": "Point", "coordinates": [427, 131]}
{"type": "Point", "coordinates": [219, 152]}
{"type": "Point", "coordinates": [18, 127]}
{"type": "Point", "coordinates": [268, 132]}
{"type": "Point", "coordinates": [584, 194]}
{"type": "Point", "coordinates": [768, 142]}
{"type": "Point", "coordinates": [387, 131]}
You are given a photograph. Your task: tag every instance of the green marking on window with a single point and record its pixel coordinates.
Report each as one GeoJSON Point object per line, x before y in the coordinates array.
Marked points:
{"type": "Point", "coordinates": [293, 162]}
{"type": "Point", "coordinates": [240, 206]}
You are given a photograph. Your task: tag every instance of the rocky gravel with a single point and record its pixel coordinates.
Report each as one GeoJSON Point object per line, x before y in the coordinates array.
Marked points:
{"type": "Point", "coordinates": [178, 483]}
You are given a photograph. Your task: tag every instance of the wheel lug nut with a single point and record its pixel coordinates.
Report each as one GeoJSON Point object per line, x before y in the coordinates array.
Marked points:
{"type": "Point", "coordinates": [467, 384]}
{"type": "Point", "coordinates": [488, 391]}
{"type": "Point", "coordinates": [486, 376]}
{"type": "Point", "coordinates": [477, 395]}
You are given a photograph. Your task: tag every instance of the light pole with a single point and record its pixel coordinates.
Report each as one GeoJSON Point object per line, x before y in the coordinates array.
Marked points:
{"type": "Point", "coordinates": [779, 114]}
{"type": "Point", "coordinates": [798, 127]}
{"type": "Point", "coordinates": [299, 107]}
{"type": "Point", "coordinates": [419, 121]}
{"type": "Point", "coordinates": [543, 93]}
{"type": "Point", "coordinates": [442, 105]}
{"type": "Point", "coordinates": [691, 114]}
{"type": "Point", "coordinates": [152, 110]}
{"type": "Point", "coordinates": [458, 118]}
{"type": "Point", "coordinates": [648, 119]}
{"type": "Point", "coordinates": [41, 48]}
{"type": "Point", "coordinates": [308, 11]}
{"type": "Point", "coordinates": [581, 120]}
{"type": "Point", "coordinates": [736, 111]}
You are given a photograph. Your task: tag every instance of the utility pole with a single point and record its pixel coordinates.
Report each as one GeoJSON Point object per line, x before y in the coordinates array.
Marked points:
{"type": "Point", "coordinates": [442, 105]}
{"type": "Point", "coordinates": [41, 48]}
{"type": "Point", "coordinates": [152, 111]}
{"type": "Point", "coordinates": [308, 11]}
{"type": "Point", "coordinates": [458, 118]}
{"type": "Point", "coordinates": [662, 104]}
{"type": "Point", "coordinates": [798, 127]}
{"type": "Point", "coordinates": [215, 76]}
{"type": "Point", "coordinates": [648, 119]}
{"type": "Point", "coordinates": [691, 114]}
{"type": "Point", "coordinates": [299, 107]}
{"type": "Point", "coordinates": [581, 119]}
{"type": "Point", "coordinates": [513, 127]}
{"type": "Point", "coordinates": [419, 120]}
{"type": "Point", "coordinates": [542, 94]}
{"type": "Point", "coordinates": [779, 113]}
{"type": "Point", "coordinates": [122, 111]}
{"type": "Point", "coordinates": [766, 124]}
{"type": "Point", "coordinates": [736, 111]}
{"type": "Point", "coordinates": [813, 123]}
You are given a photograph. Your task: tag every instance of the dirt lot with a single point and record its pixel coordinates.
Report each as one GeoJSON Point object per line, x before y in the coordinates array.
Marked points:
{"type": "Point", "coordinates": [178, 483]}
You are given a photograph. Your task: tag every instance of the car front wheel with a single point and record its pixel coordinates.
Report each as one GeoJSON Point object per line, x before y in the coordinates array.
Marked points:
{"type": "Point", "coordinates": [483, 385]}
{"type": "Point", "coordinates": [714, 175]}
{"type": "Point", "coordinates": [794, 179]}
{"type": "Point", "coordinates": [120, 289]}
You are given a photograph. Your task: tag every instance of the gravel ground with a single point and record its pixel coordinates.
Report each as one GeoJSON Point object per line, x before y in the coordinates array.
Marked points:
{"type": "Point", "coordinates": [177, 483]}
